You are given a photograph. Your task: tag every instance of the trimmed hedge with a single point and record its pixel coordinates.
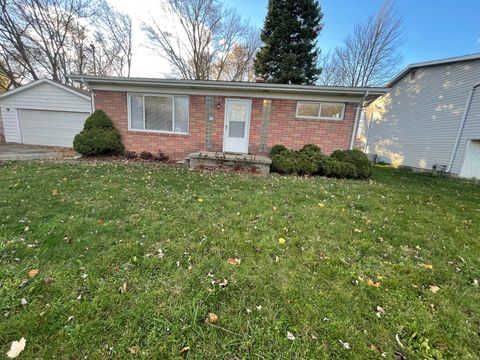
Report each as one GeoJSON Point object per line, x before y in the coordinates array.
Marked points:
{"type": "Point", "coordinates": [344, 164]}
{"type": "Point", "coordinates": [356, 158]}
{"type": "Point", "coordinates": [98, 137]}
{"type": "Point", "coordinates": [277, 149]}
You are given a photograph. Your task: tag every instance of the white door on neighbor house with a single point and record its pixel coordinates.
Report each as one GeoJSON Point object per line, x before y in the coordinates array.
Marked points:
{"type": "Point", "coordinates": [471, 161]}
{"type": "Point", "coordinates": [237, 125]}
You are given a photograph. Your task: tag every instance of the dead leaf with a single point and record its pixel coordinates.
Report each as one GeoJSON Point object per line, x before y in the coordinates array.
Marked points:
{"type": "Point", "coordinates": [48, 280]}
{"type": "Point", "coordinates": [123, 289]}
{"type": "Point", "coordinates": [434, 288]}
{"type": "Point", "coordinates": [32, 273]}
{"type": "Point", "coordinates": [345, 344]}
{"type": "Point", "coordinates": [54, 192]}
{"type": "Point", "coordinates": [223, 283]}
{"type": "Point", "coordinates": [233, 261]}
{"type": "Point", "coordinates": [290, 336]}
{"type": "Point", "coordinates": [211, 318]}
{"type": "Point", "coordinates": [357, 230]}
{"type": "Point", "coordinates": [427, 266]}
{"type": "Point", "coordinates": [372, 283]}
{"type": "Point", "coordinates": [380, 311]}
{"type": "Point", "coordinates": [134, 349]}
{"type": "Point", "coordinates": [376, 348]}
{"type": "Point", "coordinates": [184, 350]}
{"type": "Point", "coordinates": [100, 222]}
{"type": "Point", "coordinates": [16, 348]}
{"type": "Point", "coordinates": [281, 241]}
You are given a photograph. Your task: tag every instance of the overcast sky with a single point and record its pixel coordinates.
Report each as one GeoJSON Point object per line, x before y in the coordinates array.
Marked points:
{"type": "Point", "coordinates": [434, 28]}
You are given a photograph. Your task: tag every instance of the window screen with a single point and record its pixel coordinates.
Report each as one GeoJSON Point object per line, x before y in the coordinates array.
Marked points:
{"type": "Point", "coordinates": [237, 120]}
{"type": "Point", "coordinates": [331, 111]}
{"type": "Point", "coordinates": [308, 109]}
{"type": "Point", "coordinates": [159, 113]}
{"type": "Point", "coordinates": [136, 112]}
{"type": "Point", "coordinates": [319, 110]}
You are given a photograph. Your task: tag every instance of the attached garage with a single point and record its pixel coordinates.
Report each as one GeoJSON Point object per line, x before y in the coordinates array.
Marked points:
{"type": "Point", "coordinates": [44, 112]}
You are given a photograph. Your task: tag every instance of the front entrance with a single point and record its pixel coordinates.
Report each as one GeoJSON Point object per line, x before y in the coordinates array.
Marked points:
{"type": "Point", "coordinates": [237, 125]}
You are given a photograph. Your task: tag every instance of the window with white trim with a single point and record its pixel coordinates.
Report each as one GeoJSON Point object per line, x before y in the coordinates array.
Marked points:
{"type": "Point", "coordinates": [162, 113]}
{"type": "Point", "coordinates": [320, 110]}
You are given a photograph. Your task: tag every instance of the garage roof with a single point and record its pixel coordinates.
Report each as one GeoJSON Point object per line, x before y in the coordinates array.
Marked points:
{"type": "Point", "coordinates": [71, 89]}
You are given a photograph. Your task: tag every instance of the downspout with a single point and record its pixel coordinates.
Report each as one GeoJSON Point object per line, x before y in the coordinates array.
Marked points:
{"type": "Point", "coordinates": [460, 127]}
{"type": "Point", "coordinates": [92, 99]}
{"type": "Point", "coordinates": [357, 117]}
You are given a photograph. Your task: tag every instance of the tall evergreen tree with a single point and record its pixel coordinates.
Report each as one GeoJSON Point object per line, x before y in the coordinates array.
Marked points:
{"type": "Point", "coordinates": [289, 53]}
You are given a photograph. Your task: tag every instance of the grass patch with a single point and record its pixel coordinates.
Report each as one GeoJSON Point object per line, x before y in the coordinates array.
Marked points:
{"type": "Point", "coordinates": [168, 232]}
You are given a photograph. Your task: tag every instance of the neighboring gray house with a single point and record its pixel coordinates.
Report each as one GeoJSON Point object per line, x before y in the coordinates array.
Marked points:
{"type": "Point", "coordinates": [430, 118]}
{"type": "Point", "coordinates": [43, 112]}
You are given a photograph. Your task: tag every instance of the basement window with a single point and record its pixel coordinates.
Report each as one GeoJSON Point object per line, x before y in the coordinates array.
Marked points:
{"type": "Point", "coordinates": [158, 113]}
{"type": "Point", "coordinates": [320, 110]}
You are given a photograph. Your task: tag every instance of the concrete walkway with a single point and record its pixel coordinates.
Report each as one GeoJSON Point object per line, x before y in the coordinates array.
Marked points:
{"type": "Point", "coordinates": [26, 152]}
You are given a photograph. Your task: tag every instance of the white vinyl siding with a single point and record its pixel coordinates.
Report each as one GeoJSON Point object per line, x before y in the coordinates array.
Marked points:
{"type": "Point", "coordinates": [158, 113]}
{"type": "Point", "coordinates": [44, 96]}
{"type": "Point", "coordinates": [419, 123]}
{"type": "Point", "coordinates": [471, 131]}
{"type": "Point", "coordinates": [52, 128]}
{"type": "Point", "coordinates": [320, 110]}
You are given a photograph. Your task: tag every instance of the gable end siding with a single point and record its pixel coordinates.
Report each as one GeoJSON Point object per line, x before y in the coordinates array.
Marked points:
{"type": "Point", "coordinates": [417, 121]}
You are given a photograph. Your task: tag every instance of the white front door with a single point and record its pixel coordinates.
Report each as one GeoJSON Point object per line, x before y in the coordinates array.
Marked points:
{"type": "Point", "coordinates": [237, 125]}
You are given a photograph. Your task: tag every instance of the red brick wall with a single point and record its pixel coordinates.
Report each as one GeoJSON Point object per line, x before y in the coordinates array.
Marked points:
{"type": "Point", "coordinates": [284, 128]}
{"type": "Point", "coordinates": [330, 135]}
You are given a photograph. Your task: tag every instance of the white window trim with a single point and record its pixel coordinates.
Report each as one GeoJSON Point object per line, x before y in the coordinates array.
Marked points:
{"type": "Point", "coordinates": [129, 96]}
{"type": "Point", "coordinates": [318, 117]}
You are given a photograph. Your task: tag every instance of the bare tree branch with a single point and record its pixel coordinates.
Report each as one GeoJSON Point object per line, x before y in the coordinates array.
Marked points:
{"type": "Point", "coordinates": [201, 39]}
{"type": "Point", "coordinates": [369, 56]}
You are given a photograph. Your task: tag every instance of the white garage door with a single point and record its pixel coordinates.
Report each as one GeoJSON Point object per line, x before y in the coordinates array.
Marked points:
{"type": "Point", "coordinates": [471, 162]}
{"type": "Point", "coordinates": [54, 128]}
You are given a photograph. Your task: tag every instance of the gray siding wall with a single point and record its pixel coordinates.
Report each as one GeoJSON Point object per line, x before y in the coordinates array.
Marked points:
{"type": "Point", "coordinates": [419, 121]}
{"type": "Point", "coordinates": [471, 131]}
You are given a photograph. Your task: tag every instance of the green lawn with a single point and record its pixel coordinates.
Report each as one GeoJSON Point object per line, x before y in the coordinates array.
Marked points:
{"type": "Point", "coordinates": [93, 227]}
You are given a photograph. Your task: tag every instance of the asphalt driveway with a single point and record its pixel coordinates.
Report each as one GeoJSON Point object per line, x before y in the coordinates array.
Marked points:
{"type": "Point", "coordinates": [26, 152]}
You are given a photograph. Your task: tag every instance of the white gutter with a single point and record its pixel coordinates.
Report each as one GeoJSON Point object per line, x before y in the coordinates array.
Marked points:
{"type": "Point", "coordinates": [92, 99]}
{"type": "Point", "coordinates": [357, 116]}
{"type": "Point", "coordinates": [460, 127]}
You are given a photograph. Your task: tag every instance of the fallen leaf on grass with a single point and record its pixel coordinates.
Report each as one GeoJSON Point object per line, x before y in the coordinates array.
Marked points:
{"type": "Point", "coordinates": [345, 344]}
{"type": "Point", "coordinates": [475, 282]}
{"type": "Point", "coordinates": [23, 301]}
{"type": "Point", "coordinates": [211, 318]}
{"type": "Point", "coordinates": [48, 280]}
{"type": "Point", "coordinates": [16, 348]}
{"type": "Point", "coordinates": [54, 192]}
{"type": "Point", "coordinates": [290, 336]}
{"type": "Point", "coordinates": [123, 289]}
{"type": "Point", "coordinates": [427, 266]}
{"type": "Point", "coordinates": [376, 348]}
{"type": "Point", "coordinates": [134, 349]}
{"type": "Point", "coordinates": [357, 230]}
{"type": "Point", "coordinates": [100, 222]}
{"type": "Point", "coordinates": [434, 288]}
{"type": "Point", "coordinates": [281, 241]}
{"type": "Point", "coordinates": [184, 350]}
{"type": "Point", "coordinates": [321, 205]}
{"type": "Point", "coordinates": [372, 283]}
{"type": "Point", "coordinates": [32, 273]}
{"type": "Point", "coordinates": [233, 261]}
{"type": "Point", "coordinates": [223, 283]}
{"type": "Point", "coordinates": [380, 311]}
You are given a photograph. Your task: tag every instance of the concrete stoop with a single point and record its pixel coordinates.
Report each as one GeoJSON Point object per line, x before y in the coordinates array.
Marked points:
{"type": "Point", "coordinates": [208, 160]}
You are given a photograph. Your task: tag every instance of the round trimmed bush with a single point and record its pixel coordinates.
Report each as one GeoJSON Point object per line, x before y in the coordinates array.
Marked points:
{"type": "Point", "coordinates": [339, 169]}
{"type": "Point", "coordinates": [357, 158]}
{"type": "Point", "coordinates": [311, 149]}
{"type": "Point", "coordinates": [277, 149]}
{"type": "Point", "coordinates": [98, 137]}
